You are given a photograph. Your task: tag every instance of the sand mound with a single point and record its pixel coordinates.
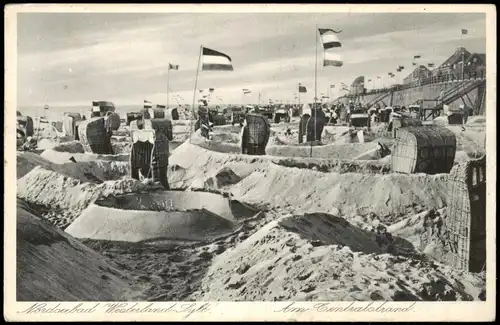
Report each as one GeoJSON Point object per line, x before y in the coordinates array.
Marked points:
{"type": "Point", "coordinates": [54, 189]}
{"type": "Point", "coordinates": [330, 151]}
{"type": "Point", "coordinates": [303, 258]}
{"type": "Point", "coordinates": [192, 166]}
{"type": "Point", "coordinates": [476, 120]}
{"type": "Point", "coordinates": [58, 157]}
{"type": "Point", "coordinates": [70, 147]}
{"type": "Point", "coordinates": [351, 193]}
{"type": "Point", "coordinates": [104, 223]}
{"type": "Point", "coordinates": [87, 171]}
{"type": "Point", "coordinates": [52, 266]}
{"type": "Point", "coordinates": [26, 161]}
{"type": "Point", "coordinates": [470, 138]}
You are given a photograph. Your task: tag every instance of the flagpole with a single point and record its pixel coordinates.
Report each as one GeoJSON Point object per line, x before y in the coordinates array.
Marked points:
{"type": "Point", "coordinates": [315, 88]}
{"type": "Point", "coordinates": [168, 83]}
{"type": "Point", "coordinates": [461, 49]}
{"type": "Point", "coordinates": [195, 88]}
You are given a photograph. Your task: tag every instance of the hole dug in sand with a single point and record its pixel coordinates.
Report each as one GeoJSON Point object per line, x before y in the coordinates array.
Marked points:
{"type": "Point", "coordinates": [159, 216]}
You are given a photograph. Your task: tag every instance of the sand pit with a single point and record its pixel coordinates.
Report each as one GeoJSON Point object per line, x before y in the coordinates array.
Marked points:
{"type": "Point", "coordinates": [165, 215]}
{"type": "Point", "coordinates": [101, 223]}
{"type": "Point", "coordinates": [52, 266]}
{"type": "Point", "coordinates": [304, 258]}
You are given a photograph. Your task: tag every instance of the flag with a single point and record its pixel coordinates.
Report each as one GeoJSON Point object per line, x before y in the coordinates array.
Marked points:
{"type": "Point", "coordinates": [430, 65]}
{"type": "Point", "coordinates": [369, 80]}
{"type": "Point", "coordinates": [464, 31]}
{"type": "Point", "coordinates": [211, 90]}
{"type": "Point", "coordinates": [332, 59]}
{"type": "Point", "coordinates": [201, 90]}
{"type": "Point", "coordinates": [332, 86]}
{"type": "Point", "coordinates": [47, 106]}
{"type": "Point", "coordinates": [246, 91]}
{"type": "Point", "coordinates": [378, 77]}
{"type": "Point", "coordinates": [173, 66]}
{"type": "Point", "coordinates": [328, 38]}
{"type": "Point", "coordinates": [215, 61]}
{"type": "Point", "coordinates": [147, 104]}
{"type": "Point", "coordinates": [414, 63]}
{"type": "Point", "coordinates": [302, 89]}
{"type": "Point", "coordinates": [417, 57]}
{"type": "Point", "coordinates": [401, 67]}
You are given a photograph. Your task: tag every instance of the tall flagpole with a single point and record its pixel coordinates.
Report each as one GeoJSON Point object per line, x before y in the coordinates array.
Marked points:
{"type": "Point", "coordinates": [462, 49]}
{"type": "Point", "coordinates": [300, 109]}
{"type": "Point", "coordinates": [315, 89]}
{"type": "Point", "coordinates": [194, 92]}
{"type": "Point", "coordinates": [168, 83]}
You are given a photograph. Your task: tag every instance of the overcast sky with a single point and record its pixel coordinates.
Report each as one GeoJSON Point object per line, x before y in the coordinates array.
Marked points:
{"type": "Point", "coordinates": [72, 59]}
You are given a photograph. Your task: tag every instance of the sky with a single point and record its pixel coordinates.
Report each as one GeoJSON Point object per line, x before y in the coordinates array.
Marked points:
{"type": "Point", "coordinates": [75, 58]}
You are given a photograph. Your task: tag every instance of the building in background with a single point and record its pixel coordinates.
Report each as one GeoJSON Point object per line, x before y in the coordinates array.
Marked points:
{"type": "Point", "coordinates": [420, 72]}
{"type": "Point", "coordinates": [358, 86]}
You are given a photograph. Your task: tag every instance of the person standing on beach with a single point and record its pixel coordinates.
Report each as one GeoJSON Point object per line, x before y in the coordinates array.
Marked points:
{"type": "Point", "coordinates": [255, 134]}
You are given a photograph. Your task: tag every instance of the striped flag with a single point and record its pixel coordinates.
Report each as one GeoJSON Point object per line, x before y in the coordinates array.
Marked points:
{"type": "Point", "coordinates": [332, 59]}
{"type": "Point", "coordinates": [173, 66]}
{"type": "Point", "coordinates": [464, 31]}
{"type": "Point", "coordinates": [47, 106]}
{"type": "Point", "coordinates": [302, 89]}
{"type": "Point", "coordinates": [148, 104]}
{"type": "Point", "coordinates": [329, 38]}
{"type": "Point", "coordinates": [215, 61]}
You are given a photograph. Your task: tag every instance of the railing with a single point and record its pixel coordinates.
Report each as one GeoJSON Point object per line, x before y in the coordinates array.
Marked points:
{"type": "Point", "coordinates": [473, 75]}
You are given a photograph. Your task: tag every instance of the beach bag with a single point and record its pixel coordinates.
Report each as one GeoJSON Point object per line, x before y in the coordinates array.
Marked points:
{"type": "Point", "coordinates": [257, 127]}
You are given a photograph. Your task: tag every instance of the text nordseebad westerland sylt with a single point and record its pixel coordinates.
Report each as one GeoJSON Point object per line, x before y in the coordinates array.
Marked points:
{"type": "Point", "coordinates": [117, 308]}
